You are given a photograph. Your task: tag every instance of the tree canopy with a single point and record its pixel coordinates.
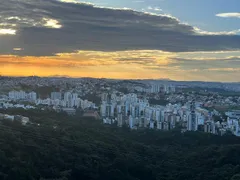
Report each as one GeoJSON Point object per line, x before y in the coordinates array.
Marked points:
{"type": "Point", "coordinates": [56, 146]}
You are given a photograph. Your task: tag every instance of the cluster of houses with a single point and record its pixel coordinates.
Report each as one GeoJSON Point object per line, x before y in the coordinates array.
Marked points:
{"type": "Point", "coordinates": [22, 119]}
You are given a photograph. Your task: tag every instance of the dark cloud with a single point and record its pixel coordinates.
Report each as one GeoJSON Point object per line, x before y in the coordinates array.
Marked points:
{"type": "Point", "coordinates": [85, 27]}
{"type": "Point", "coordinates": [201, 64]}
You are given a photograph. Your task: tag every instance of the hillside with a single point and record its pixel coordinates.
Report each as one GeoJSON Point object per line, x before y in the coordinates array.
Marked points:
{"type": "Point", "coordinates": [57, 146]}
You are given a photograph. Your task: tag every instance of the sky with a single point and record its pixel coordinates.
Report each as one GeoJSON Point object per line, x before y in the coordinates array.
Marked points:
{"type": "Point", "coordinates": [124, 39]}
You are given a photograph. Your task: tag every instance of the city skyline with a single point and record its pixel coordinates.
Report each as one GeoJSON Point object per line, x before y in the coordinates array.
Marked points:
{"type": "Point", "coordinates": [121, 39]}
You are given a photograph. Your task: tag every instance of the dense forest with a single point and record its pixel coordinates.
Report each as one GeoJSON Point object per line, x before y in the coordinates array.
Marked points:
{"type": "Point", "coordinates": [60, 147]}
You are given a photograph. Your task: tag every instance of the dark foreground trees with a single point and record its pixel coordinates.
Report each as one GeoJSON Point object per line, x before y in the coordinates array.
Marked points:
{"type": "Point", "coordinates": [63, 147]}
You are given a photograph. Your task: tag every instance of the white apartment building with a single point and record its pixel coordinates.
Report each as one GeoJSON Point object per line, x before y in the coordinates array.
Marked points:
{"type": "Point", "coordinates": [17, 95]}
{"type": "Point", "coordinates": [32, 96]}
{"type": "Point", "coordinates": [56, 95]}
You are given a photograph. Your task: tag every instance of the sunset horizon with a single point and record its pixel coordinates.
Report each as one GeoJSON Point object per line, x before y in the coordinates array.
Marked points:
{"type": "Point", "coordinates": [108, 40]}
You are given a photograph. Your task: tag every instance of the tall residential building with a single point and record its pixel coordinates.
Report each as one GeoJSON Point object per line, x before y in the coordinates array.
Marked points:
{"type": "Point", "coordinates": [67, 96]}
{"type": "Point", "coordinates": [12, 94]}
{"type": "Point", "coordinates": [159, 125]}
{"type": "Point", "coordinates": [68, 99]}
{"type": "Point", "coordinates": [22, 95]}
{"type": "Point", "coordinates": [32, 96]}
{"type": "Point", "coordinates": [120, 119]}
{"type": "Point", "coordinates": [56, 95]}
{"type": "Point", "coordinates": [141, 121]}
{"type": "Point", "coordinates": [166, 126]}
{"type": "Point", "coordinates": [151, 124]}
{"type": "Point", "coordinates": [108, 110]}
{"type": "Point", "coordinates": [169, 88]}
{"type": "Point", "coordinates": [15, 95]}
{"type": "Point", "coordinates": [130, 122]}
{"type": "Point", "coordinates": [210, 127]}
{"type": "Point", "coordinates": [74, 96]}
{"type": "Point", "coordinates": [103, 110]}
{"type": "Point", "coordinates": [155, 88]}
{"type": "Point", "coordinates": [192, 124]}
{"type": "Point", "coordinates": [104, 97]}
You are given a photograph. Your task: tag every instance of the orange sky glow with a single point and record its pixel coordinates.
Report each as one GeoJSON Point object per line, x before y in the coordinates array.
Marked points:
{"type": "Point", "coordinates": [84, 64]}
{"type": "Point", "coordinates": [144, 64]}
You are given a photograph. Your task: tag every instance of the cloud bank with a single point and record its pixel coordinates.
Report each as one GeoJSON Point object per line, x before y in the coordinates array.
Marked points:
{"type": "Point", "coordinates": [44, 28]}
